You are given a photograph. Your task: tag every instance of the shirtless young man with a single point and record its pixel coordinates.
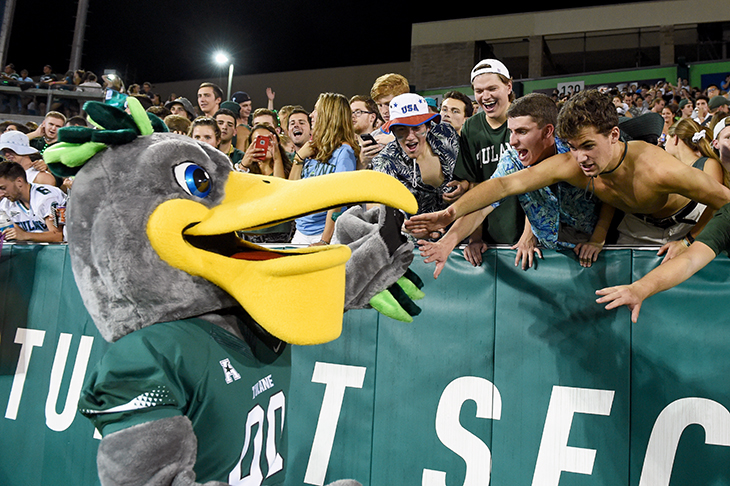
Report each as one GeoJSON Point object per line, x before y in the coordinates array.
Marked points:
{"type": "Point", "coordinates": [714, 239]}
{"type": "Point", "coordinates": [634, 177]}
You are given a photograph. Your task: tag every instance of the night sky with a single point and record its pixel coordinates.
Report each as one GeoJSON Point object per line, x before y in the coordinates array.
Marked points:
{"type": "Point", "coordinates": [169, 40]}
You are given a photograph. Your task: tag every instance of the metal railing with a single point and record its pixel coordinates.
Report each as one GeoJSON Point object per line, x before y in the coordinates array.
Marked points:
{"type": "Point", "coordinates": [27, 90]}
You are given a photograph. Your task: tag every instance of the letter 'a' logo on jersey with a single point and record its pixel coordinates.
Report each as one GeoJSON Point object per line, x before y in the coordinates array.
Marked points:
{"type": "Point", "coordinates": [229, 371]}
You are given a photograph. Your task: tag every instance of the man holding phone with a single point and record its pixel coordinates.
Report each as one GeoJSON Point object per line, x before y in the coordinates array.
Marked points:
{"type": "Point", "coordinates": [366, 119]}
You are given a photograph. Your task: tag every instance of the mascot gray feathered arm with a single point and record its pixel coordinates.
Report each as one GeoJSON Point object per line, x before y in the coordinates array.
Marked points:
{"type": "Point", "coordinates": [199, 319]}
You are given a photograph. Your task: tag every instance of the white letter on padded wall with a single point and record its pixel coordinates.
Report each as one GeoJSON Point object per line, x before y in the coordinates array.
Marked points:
{"type": "Point", "coordinates": [667, 431]}
{"type": "Point", "coordinates": [555, 455]}
{"type": "Point", "coordinates": [469, 447]}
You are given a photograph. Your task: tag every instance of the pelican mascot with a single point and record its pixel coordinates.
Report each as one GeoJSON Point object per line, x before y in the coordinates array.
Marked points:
{"type": "Point", "coordinates": [198, 317]}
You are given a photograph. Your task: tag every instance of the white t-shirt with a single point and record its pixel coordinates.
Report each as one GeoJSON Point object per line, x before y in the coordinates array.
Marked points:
{"type": "Point", "coordinates": [44, 201]}
{"type": "Point", "coordinates": [30, 174]}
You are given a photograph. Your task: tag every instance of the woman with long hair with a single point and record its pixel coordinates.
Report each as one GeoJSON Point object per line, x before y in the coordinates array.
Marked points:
{"type": "Point", "coordinates": [333, 148]}
{"type": "Point", "coordinates": [692, 145]}
{"type": "Point", "coordinates": [272, 161]}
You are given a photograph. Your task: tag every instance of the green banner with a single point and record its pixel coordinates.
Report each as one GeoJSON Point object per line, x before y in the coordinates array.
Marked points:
{"type": "Point", "coordinates": [507, 377]}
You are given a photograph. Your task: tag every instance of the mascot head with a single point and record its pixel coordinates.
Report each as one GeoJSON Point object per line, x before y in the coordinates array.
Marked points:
{"type": "Point", "coordinates": [152, 221]}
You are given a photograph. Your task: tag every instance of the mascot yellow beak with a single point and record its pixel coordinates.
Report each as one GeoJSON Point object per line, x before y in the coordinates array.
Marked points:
{"type": "Point", "coordinates": [296, 295]}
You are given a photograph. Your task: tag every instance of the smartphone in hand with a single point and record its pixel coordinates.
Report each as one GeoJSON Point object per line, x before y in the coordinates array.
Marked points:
{"type": "Point", "coordinates": [368, 139]}
{"type": "Point", "coordinates": [262, 142]}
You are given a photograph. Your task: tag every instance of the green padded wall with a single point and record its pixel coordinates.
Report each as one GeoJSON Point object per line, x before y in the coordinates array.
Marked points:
{"type": "Point", "coordinates": [508, 377]}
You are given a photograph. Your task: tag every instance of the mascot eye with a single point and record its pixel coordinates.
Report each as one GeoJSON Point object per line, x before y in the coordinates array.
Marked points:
{"type": "Point", "coordinates": [193, 179]}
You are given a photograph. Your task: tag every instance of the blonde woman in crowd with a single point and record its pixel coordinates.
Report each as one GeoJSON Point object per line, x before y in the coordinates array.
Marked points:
{"type": "Point", "coordinates": [692, 145]}
{"type": "Point", "coordinates": [333, 148]}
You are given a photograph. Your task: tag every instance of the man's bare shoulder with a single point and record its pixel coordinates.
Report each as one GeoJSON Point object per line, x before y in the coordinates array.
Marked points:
{"type": "Point", "coordinates": [647, 153]}
{"type": "Point", "coordinates": [662, 173]}
{"type": "Point", "coordinates": [657, 164]}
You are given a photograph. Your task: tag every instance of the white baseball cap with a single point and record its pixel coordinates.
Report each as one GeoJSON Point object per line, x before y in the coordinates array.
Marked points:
{"type": "Point", "coordinates": [17, 142]}
{"type": "Point", "coordinates": [487, 66]}
{"type": "Point", "coordinates": [721, 125]}
{"type": "Point", "coordinates": [411, 110]}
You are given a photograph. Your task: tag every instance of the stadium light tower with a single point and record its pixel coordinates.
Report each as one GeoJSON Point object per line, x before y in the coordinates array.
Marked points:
{"type": "Point", "coordinates": [222, 59]}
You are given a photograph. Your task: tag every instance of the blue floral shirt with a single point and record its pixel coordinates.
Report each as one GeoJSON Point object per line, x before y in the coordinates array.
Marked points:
{"type": "Point", "coordinates": [549, 207]}
{"type": "Point", "coordinates": [392, 160]}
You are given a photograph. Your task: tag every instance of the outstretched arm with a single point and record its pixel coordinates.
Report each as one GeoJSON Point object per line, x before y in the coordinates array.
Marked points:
{"type": "Point", "coordinates": [674, 248]}
{"type": "Point", "coordinates": [557, 168]}
{"type": "Point", "coordinates": [661, 278]}
{"type": "Point", "coordinates": [439, 251]}
{"type": "Point", "coordinates": [547, 172]}
{"type": "Point", "coordinates": [693, 184]}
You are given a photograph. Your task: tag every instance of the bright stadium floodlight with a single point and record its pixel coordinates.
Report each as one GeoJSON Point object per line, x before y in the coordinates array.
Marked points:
{"type": "Point", "coordinates": [222, 59]}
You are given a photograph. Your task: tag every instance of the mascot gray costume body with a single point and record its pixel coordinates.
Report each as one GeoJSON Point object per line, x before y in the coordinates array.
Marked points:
{"type": "Point", "coordinates": [194, 388]}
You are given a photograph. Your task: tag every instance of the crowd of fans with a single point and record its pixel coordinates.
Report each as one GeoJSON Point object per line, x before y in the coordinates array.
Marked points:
{"type": "Point", "coordinates": [25, 103]}
{"type": "Point", "coordinates": [673, 102]}
{"type": "Point", "coordinates": [440, 150]}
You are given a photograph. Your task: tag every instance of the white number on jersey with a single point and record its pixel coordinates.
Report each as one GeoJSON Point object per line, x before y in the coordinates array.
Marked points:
{"type": "Point", "coordinates": [255, 427]}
